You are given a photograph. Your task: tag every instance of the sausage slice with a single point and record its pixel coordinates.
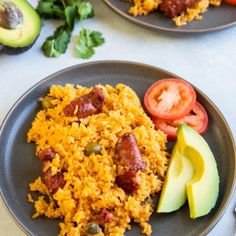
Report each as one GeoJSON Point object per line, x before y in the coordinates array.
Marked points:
{"type": "Point", "coordinates": [53, 182]}
{"type": "Point", "coordinates": [129, 154]}
{"type": "Point", "coordinates": [172, 8]}
{"type": "Point", "coordinates": [86, 105]}
{"type": "Point", "coordinates": [130, 158]}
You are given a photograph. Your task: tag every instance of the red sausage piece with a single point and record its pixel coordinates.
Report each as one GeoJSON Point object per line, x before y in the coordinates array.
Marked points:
{"type": "Point", "coordinates": [172, 8]}
{"type": "Point", "coordinates": [86, 105]}
{"type": "Point", "coordinates": [53, 182]}
{"type": "Point", "coordinates": [105, 217]}
{"type": "Point", "coordinates": [129, 154]}
{"type": "Point", "coordinates": [47, 154]}
{"type": "Point", "coordinates": [129, 181]}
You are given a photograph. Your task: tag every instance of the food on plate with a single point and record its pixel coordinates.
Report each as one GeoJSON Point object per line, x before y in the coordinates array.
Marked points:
{"type": "Point", "coordinates": [170, 99]}
{"type": "Point", "coordinates": [86, 105]}
{"type": "Point", "coordinates": [173, 8]}
{"type": "Point", "coordinates": [197, 119]}
{"type": "Point", "coordinates": [87, 179]}
{"type": "Point", "coordinates": [130, 158]}
{"type": "Point", "coordinates": [20, 26]}
{"type": "Point", "coordinates": [53, 181]}
{"type": "Point", "coordinates": [233, 2]}
{"type": "Point", "coordinates": [181, 12]}
{"type": "Point", "coordinates": [192, 175]}
{"type": "Point", "coordinates": [92, 148]}
{"type": "Point", "coordinates": [172, 102]}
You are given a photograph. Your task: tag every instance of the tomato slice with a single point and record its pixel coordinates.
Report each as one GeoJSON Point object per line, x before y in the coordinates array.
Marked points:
{"type": "Point", "coordinates": [197, 119]}
{"type": "Point", "coordinates": [170, 99]}
{"type": "Point", "coordinates": [232, 2]}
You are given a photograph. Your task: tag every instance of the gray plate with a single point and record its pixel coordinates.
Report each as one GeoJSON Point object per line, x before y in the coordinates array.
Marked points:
{"type": "Point", "coordinates": [19, 166]}
{"type": "Point", "coordinates": [214, 19]}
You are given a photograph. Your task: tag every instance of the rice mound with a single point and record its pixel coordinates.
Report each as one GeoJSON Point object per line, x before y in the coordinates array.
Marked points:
{"type": "Point", "coordinates": [90, 180]}
{"type": "Point", "coordinates": [144, 7]}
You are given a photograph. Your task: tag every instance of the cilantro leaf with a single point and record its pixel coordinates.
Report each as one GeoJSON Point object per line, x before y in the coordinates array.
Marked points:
{"type": "Point", "coordinates": [85, 10]}
{"type": "Point", "coordinates": [71, 14]}
{"type": "Point", "coordinates": [50, 9]}
{"type": "Point", "coordinates": [97, 38]}
{"type": "Point", "coordinates": [84, 52]}
{"type": "Point", "coordinates": [49, 48]}
{"type": "Point", "coordinates": [87, 41]}
{"type": "Point", "coordinates": [57, 44]}
{"type": "Point", "coordinates": [71, 2]}
{"type": "Point", "coordinates": [62, 38]}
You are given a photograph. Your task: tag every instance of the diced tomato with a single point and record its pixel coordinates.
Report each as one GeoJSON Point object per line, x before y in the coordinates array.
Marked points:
{"type": "Point", "coordinates": [197, 119]}
{"type": "Point", "coordinates": [170, 99]}
{"type": "Point", "coordinates": [232, 2]}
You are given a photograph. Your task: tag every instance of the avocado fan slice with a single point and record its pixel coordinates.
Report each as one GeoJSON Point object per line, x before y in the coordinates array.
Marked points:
{"type": "Point", "coordinates": [192, 175]}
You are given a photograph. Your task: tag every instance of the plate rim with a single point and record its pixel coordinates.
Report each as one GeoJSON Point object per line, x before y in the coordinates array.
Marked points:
{"type": "Point", "coordinates": [134, 20]}
{"type": "Point", "coordinates": [121, 62]}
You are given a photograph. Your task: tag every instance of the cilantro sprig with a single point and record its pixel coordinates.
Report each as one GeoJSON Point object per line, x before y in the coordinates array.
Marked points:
{"type": "Point", "coordinates": [70, 12]}
{"type": "Point", "coordinates": [87, 41]}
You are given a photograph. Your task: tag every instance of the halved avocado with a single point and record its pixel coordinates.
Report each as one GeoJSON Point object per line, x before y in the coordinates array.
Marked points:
{"type": "Point", "coordinates": [20, 26]}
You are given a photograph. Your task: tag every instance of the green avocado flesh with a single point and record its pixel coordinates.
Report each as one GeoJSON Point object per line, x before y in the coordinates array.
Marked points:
{"type": "Point", "coordinates": [192, 175]}
{"type": "Point", "coordinates": [19, 23]}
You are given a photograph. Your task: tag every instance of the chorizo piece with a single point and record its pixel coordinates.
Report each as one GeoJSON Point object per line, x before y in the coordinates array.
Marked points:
{"type": "Point", "coordinates": [129, 181]}
{"type": "Point", "coordinates": [53, 182]}
{"type": "Point", "coordinates": [172, 8]}
{"type": "Point", "coordinates": [104, 217]}
{"type": "Point", "coordinates": [129, 154]}
{"type": "Point", "coordinates": [86, 105]}
{"type": "Point", "coordinates": [46, 154]}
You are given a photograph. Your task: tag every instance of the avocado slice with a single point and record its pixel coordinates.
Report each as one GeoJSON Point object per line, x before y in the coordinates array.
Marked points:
{"type": "Point", "coordinates": [180, 171]}
{"type": "Point", "coordinates": [20, 26]}
{"type": "Point", "coordinates": [193, 168]}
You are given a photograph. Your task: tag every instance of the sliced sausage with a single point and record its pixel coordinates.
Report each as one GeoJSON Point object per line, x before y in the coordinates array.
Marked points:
{"type": "Point", "coordinates": [53, 182]}
{"type": "Point", "coordinates": [129, 155]}
{"type": "Point", "coordinates": [172, 8]}
{"type": "Point", "coordinates": [129, 181]}
{"type": "Point", "coordinates": [86, 105]}
{"type": "Point", "coordinates": [47, 154]}
{"type": "Point", "coordinates": [105, 216]}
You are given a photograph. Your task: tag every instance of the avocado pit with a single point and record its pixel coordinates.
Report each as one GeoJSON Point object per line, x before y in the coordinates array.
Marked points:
{"type": "Point", "coordinates": [10, 15]}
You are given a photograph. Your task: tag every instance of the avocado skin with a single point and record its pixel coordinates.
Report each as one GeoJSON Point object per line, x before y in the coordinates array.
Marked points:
{"type": "Point", "coordinates": [15, 51]}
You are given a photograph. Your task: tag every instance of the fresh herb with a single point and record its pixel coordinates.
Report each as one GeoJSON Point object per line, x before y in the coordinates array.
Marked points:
{"type": "Point", "coordinates": [51, 9]}
{"type": "Point", "coordinates": [57, 44]}
{"type": "Point", "coordinates": [71, 14]}
{"type": "Point", "coordinates": [87, 41]}
{"type": "Point", "coordinates": [70, 11]}
{"type": "Point", "coordinates": [85, 10]}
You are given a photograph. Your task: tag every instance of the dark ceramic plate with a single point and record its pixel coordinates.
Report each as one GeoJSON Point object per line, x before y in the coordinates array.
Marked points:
{"type": "Point", "coordinates": [19, 166]}
{"type": "Point", "coordinates": [214, 19]}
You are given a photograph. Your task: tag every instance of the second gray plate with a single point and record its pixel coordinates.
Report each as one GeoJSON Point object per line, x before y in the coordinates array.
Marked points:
{"type": "Point", "coordinates": [215, 18]}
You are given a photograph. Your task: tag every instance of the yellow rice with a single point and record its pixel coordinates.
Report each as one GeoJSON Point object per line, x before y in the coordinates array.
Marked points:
{"type": "Point", "coordinates": [144, 7]}
{"type": "Point", "coordinates": [90, 180]}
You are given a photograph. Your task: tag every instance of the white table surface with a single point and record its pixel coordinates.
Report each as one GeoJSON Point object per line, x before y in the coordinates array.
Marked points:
{"type": "Point", "coordinates": [208, 61]}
